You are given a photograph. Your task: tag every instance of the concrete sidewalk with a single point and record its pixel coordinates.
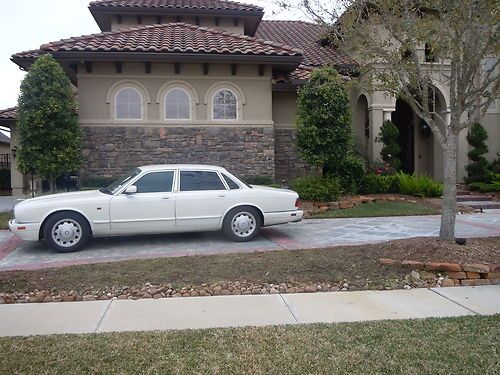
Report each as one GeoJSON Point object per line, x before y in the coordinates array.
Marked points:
{"type": "Point", "coordinates": [311, 233]}
{"type": "Point", "coordinates": [240, 311]}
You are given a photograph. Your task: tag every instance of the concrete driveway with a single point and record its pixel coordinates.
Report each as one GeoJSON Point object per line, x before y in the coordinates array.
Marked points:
{"type": "Point", "coordinates": [317, 233]}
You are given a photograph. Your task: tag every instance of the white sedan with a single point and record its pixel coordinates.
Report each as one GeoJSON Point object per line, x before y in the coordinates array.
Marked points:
{"type": "Point", "coordinates": [156, 199]}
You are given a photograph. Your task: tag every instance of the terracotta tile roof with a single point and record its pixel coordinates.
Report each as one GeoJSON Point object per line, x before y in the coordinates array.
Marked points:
{"type": "Point", "coordinates": [167, 38]}
{"type": "Point", "coordinates": [302, 73]}
{"type": "Point", "coordinates": [178, 4]}
{"type": "Point", "coordinates": [305, 36]}
{"type": "Point", "coordinates": [8, 113]}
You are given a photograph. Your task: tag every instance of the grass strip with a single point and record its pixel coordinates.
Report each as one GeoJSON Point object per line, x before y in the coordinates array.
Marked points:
{"type": "Point", "coordinates": [464, 345]}
{"type": "Point", "coordinates": [378, 209]}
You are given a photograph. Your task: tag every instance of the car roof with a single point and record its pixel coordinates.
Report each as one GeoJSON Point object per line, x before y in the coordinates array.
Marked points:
{"type": "Point", "coordinates": [180, 166]}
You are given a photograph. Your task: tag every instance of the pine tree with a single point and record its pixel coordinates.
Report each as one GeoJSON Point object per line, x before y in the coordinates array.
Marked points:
{"type": "Point", "coordinates": [478, 170]}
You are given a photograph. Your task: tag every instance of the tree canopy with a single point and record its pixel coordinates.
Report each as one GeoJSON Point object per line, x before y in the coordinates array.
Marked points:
{"type": "Point", "coordinates": [47, 125]}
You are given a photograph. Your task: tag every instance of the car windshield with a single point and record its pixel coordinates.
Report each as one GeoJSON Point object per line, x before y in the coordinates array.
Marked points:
{"type": "Point", "coordinates": [118, 184]}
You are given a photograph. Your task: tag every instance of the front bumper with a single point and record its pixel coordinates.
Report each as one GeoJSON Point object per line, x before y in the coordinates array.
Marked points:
{"type": "Point", "coordinates": [25, 231]}
{"type": "Point", "coordinates": [273, 218]}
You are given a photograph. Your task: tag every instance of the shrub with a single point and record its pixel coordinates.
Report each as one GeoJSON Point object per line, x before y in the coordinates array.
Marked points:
{"type": "Point", "coordinates": [389, 136]}
{"type": "Point", "coordinates": [378, 184]}
{"type": "Point", "coordinates": [383, 169]}
{"type": "Point", "coordinates": [5, 179]}
{"type": "Point", "coordinates": [421, 185]}
{"type": "Point", "coordinates": [478, 169]}
{"type": "Point", "coordinates": [494, 186]}
{"type": "Point", "coordinates": [317, 188]}
{"type": "Point", "coordinates": [96, 182]}
{"type": "Point", "coordinates": [258, 180]}
{"type": "Point", "coordinates": [353, 172]}
{"type": "Point", "coordinates": [495, 165]}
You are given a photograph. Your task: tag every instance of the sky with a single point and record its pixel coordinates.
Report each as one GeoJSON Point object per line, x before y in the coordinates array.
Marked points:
{"type": "Point", "coordinates": [27, 24]}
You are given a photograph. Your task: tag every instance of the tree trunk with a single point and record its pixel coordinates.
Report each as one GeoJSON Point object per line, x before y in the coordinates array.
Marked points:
{"type": "Point", "coordinates": [52, 188]}
{"type": "Point", "coordinates": [448, 215]}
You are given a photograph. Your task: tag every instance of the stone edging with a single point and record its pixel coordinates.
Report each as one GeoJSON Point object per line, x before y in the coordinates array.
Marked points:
{"type": "Point", "coordinates": [456, 274]}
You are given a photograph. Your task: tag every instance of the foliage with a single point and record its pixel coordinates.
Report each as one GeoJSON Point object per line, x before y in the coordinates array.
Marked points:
{"type": "Point", "coordinates": [387, 36]}
{"type": "Point", "coordinates": [495, 165]}
{"type": "Point", "coordinates": [324, 127]}
{"type": "Point", "coordinates": [49, 136]}
{"type": "Point", "coordinates": [317, 188]}
{"type": "Point", "coordinates": [389, 136]}
{"type": "Point", "coordinates": [484, 187]}
{"type": "Point", "coordinates": [96, 182]}
{"type": "Point", "coordinates": [421, 185]}
{"type": "Point", "coordinates": [478, 169]}
{"type": "Point", "coordinates": [5, 179]}
{"type": "Point", "coordinates": [258, 180]}
{"type": "Point", "coordinates": [381, 169]}
{"type": "Point", "coordinates": [380, 184]}
{"type": "Point", "coordinates": [352, 171]}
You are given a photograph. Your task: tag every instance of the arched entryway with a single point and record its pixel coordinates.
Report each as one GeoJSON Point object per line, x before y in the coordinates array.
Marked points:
{"type": "Point", "coordinates": [405, 120]}
{"type": "Point", "coordinates": [361, 125]}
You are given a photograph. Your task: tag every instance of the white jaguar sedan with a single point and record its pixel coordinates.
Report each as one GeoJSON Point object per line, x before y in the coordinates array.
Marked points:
{"type": "Point", "coordinates": [156, 199]}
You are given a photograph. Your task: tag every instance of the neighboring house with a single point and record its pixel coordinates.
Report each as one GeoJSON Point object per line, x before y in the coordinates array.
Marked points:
{"type": "Point", "coordinates": [209, 81]}
{"type": "Point", "coordinates": [7, 118]}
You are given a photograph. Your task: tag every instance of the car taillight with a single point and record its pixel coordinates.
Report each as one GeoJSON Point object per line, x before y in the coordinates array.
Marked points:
{"type": "Point", "coordinates": [298, 203]}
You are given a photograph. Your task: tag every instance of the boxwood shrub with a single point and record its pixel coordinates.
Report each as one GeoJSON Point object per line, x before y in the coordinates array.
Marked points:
{"type": "Point", "coordinates": [317, 188]}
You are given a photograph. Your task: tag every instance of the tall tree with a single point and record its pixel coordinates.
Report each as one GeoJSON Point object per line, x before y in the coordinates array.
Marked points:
{"type": "Point", "coordinates": [324, 127]}
{"type": "Point", "coordinates": [47, 125]}
{"type": "Point", "coordinates": [406, 46]}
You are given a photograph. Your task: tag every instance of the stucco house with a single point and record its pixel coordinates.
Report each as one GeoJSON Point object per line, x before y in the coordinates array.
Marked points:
{"type": "Point", "coordinates": [209, 81]}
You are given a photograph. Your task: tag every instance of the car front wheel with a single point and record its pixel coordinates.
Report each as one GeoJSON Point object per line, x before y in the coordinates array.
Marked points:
{"type": "Point", "coordinates": [242, 224]}
{"type": "Point", "coordinates": [66, 232]}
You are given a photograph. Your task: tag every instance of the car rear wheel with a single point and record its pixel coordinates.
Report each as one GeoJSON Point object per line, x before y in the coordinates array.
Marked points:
{"type": "Point", "coordinates": [242, 224]}
{"type": "Point", "coordinates": [66, 232]}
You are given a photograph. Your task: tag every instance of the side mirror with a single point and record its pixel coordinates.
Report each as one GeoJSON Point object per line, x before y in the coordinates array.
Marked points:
{"type": "Point", "coordinates": [132, 189]}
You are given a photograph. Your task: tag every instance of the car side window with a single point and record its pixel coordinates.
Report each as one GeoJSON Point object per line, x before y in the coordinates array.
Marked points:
{"type": "Point", "coordinates": [232, 185]}
{"type": "Point", "coordinates": [155, 182]}
{"type": "Point", "coordinates": [200, 180]}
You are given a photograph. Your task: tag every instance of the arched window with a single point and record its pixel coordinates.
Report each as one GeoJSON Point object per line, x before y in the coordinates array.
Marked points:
{"type": "Point", "coordinates": [128, 103]}
{"type": "Point", "coordinates": [225, 105]}
{"type": "Point", "coordinates": [177, 105]}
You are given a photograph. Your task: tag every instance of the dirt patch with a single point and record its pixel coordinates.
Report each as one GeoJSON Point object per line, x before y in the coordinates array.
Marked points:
{"type": "Point", "coordinates": [425, 249]}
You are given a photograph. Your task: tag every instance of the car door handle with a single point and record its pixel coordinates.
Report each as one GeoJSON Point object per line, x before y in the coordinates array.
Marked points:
{"type": "Point", "coordinates": [166, 198]}
{"type": "Point", "coordinates": [222, 196]}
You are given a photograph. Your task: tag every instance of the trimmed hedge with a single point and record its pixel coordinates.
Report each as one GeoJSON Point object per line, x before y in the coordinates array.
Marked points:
{"type": "Point", "coordinates": [317, 188]}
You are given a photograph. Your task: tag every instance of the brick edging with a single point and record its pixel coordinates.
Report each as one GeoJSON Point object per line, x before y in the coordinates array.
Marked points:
{"type": "Point", "coordinates": [466, 274]}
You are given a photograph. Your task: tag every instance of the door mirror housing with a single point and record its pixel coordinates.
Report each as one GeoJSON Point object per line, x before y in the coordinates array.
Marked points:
{"type": "Point", "coordinates": [132, 189]}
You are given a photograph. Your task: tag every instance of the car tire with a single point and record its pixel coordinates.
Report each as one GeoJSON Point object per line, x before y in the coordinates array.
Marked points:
{"type": "Point", "coordinates": [66, 232]}
{"type": "Point", "coordinates": [242, 224]}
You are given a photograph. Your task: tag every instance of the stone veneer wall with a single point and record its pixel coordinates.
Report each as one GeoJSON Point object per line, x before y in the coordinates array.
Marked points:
{"type": "Point", "coordinates": [287, 161]}
{"type": "Point", "coordinates": [113, 151]}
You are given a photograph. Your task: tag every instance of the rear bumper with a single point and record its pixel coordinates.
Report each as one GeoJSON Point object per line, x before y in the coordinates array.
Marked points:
{"type": "Point", "coordinates": [25, 231]}
{"type": "Point", "coordinates": [273, 218]}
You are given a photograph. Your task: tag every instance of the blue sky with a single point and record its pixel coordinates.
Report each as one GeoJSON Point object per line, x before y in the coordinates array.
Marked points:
{"type": "Point", "coordinates": [27, 24]}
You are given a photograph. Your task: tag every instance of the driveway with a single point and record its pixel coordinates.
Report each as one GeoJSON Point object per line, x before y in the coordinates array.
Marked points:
{"type": "Point", "coordinates": [317, 233]}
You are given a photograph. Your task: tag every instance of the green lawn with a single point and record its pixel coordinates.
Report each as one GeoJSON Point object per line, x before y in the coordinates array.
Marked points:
{"type": "Point", "coordinates": [459, 346]}
{"type": "Point", "coordinates": [4, 219]}
{"type": "Point", "coordinates": [379, 208]}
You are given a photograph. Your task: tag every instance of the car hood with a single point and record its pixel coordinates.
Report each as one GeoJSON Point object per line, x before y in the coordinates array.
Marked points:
{"type": "Point", "coordinates": [59, 196]}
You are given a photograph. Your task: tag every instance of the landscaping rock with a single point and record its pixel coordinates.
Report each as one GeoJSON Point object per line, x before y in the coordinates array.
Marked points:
{"type": "Point", "coordinates": [89, 298]}
{"type": "Point", "coordinates": [476, 267]}
{"type": "Point", "coordinates": [450, 267]}
{"type": "Point", "coordinates": [387, 261]}
{"type": "Point", "coordinates": [473, 275]}
{"type": "Point", "coordinates": [475, 282]}
{"type": "Point", "coordinates": [456, 275]}
{"type": "Point", "coordinates": [448, 283]}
